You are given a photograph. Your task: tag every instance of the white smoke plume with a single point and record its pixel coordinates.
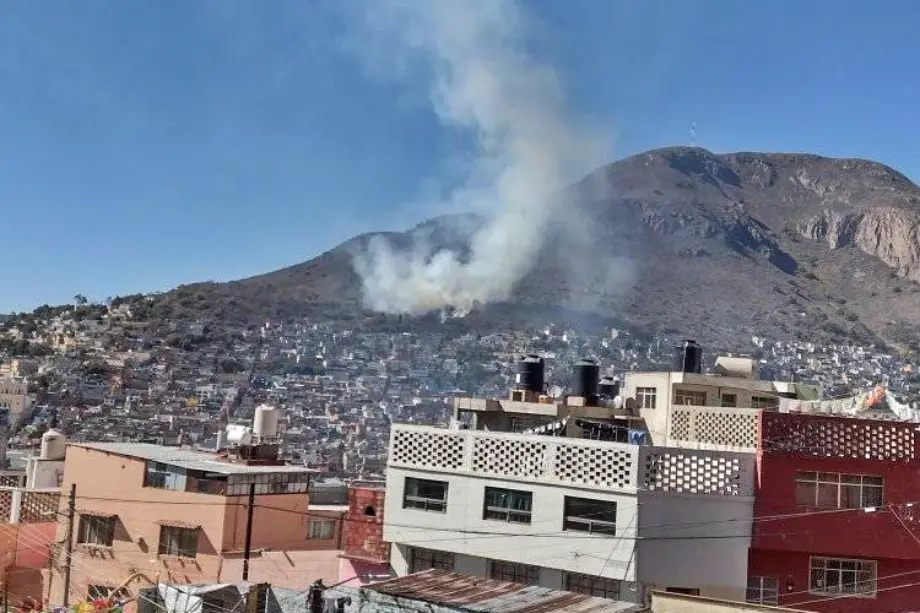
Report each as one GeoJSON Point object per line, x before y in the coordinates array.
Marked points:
{"type": "Point", "coordinates": [528, 147]}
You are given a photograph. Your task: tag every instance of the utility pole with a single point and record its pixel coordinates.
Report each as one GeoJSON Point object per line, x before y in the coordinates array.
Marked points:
{"type": "Point", "coordinates": [71, 515]}
{"type": "Point", "coordinates": [247, 551]}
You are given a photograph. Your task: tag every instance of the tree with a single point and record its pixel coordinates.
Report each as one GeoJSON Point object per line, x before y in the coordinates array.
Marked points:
{"type": "Point", "coordinates": [80, 300]}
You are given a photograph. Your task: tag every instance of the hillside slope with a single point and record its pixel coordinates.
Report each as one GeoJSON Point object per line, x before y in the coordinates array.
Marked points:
{"type": "Point", "coordinates": [679, 239]}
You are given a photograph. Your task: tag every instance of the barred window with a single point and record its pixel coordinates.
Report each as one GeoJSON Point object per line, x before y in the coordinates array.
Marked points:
{"type": "Point", "coordinates": [514, 572]}
{"type": "Point", "coordinates": [426, 559]}
{"type": "Point", "coordinates": [831, 576]}
{"type": "Point", "coordinates": [600, 587]}
{"type": "Point", "coordinates": [763, 590]}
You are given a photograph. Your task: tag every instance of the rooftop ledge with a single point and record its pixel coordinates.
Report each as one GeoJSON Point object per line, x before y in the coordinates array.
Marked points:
{"type": "Point", "coordinates": [571, 462]}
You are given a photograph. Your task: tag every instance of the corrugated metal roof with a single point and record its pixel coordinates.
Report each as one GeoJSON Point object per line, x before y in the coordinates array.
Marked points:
{"type": "Point", "coordinates": [470, 593]}
{"type": "Point", "coordinates": [186, 458]}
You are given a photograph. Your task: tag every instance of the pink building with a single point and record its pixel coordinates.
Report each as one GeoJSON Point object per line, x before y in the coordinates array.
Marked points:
{"type": "Point", "coordinates": [180, 516]}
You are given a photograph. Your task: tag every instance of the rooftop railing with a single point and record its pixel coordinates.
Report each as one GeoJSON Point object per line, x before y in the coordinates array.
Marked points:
{"type": "Point", "coordinates": [571, 462]}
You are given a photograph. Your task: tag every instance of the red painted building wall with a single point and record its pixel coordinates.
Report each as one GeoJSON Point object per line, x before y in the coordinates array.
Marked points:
{"type": "Point", "coordinates": [787, 534]}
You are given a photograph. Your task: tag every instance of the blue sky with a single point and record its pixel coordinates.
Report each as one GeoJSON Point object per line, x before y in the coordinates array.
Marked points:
{"type": "Point", "coordinates": [148, 143]}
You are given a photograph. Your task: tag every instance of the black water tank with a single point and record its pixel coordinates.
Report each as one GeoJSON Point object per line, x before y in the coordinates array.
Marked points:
{"type": "Point", "coordinates": [608, 387]}
{"type": "Point", "coordinates": [585, 381]}
{"type": "Point", "coordinates": [689, 358]}
{"type": "Point", "coordinates": [529, 374]}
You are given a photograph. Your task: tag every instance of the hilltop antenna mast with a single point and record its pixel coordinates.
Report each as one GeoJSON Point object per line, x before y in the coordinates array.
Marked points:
{"type": "Point", "coordinates": [693, 134]}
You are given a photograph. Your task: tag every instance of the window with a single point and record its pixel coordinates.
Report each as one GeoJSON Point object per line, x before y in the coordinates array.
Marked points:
{"type": "Point", "coordinates": [425, 495]}
{"type": "Point", "coordinates": [323, 529]}
{"type": "Point", "coordinates": [586, 515]}
{"type": "Point", "coordinates": [426, 559]}
{"type": "Point", "coordinates": [837, 491]}
{"type": "Point", "coordinates": [763, 590]}
{"type": "Point", "coordinates": [96, 530]}
{"type": "Point", "coordinates": [730, 400]}
{"type": "Point", "coordinates": [684, 397]}
{"type": "Point", "coordinates": [512, 506]}
{"type": "Point", "coordinates": [513, 572]}
{"type": "Point", "coordinates": [764, 402]}
{"type": "Point", "coordinates": [645, 397]}
{"type": "Point", "coordinates": [840, 576]}
{"type": "Point", "coordinates": [178, 542]}
{"type": "Point", "coordinates": [600, 587]}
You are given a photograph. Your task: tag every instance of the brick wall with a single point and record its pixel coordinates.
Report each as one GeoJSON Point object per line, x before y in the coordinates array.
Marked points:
{"type": "Point", "coordinates": [363, 534]}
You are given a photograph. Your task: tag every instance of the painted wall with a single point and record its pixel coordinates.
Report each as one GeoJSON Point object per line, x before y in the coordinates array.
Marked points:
{"type": "Point", "coordinates": [112, 483]}
{"type": "Point", "coordinates": [898, 584]}
{"type": "Point", "coordinates": [695, 541]}
{"type": "Point", "coordinates": [462, 529]}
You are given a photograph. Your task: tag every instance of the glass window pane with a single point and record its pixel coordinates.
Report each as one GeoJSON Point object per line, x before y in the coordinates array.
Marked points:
{"type": "Point", "coordinates": [827, 495]}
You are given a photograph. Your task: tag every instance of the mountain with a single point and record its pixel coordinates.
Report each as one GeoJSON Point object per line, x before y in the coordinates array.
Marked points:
{"type": "Point", "coordinates": [680, 240]}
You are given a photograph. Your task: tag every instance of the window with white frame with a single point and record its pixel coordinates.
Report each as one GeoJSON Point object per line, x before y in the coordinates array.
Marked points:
{"type": "Point", "coordinates": [842, 576]}
{"type": "Point", "coordinates": [514, 572]}
{"type": "Point", "coordinates": [601, 587]}
{"type": "Point", "coordinates": [689, 397]}
{"type": "Point", "coordinates": [646, 397]}
{"type": "Point", "coordinates": [838, 491]}
{"type": "Point", "coordinates": [322, 529]}
{"type": "Point", "coordinates": [426, 559]}
{"type": "Point", "coordinates": [425, 495]}
{"type": "Point", "coordinates": [513, 506]}
{"type": "Point", "coordinates": [763, 590]}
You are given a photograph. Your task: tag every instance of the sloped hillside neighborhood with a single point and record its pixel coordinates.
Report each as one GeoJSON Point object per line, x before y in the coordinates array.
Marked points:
{"type": "Point", "coordinates": [320, 467]}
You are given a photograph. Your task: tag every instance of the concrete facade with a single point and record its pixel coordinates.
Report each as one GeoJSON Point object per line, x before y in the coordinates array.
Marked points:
{"type": "Point", "coordinates": [682, 516]}
{"type": "Point", "coordinates": [112, 486]}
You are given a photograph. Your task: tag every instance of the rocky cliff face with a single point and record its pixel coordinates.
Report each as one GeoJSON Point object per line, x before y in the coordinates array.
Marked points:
{"type": "Point", "coordinates": [684, 240]}
{"type": "Point", "coordinates": [889, 234]}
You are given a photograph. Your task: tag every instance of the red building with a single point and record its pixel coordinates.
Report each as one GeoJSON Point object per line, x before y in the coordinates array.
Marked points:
{"type": "Point", "coordinates": [837, 513]}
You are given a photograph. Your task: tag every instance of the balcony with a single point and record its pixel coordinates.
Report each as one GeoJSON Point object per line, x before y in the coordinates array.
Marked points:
{"type": "Point", "coordinates": [715, 428]}
{"type": "Point", "coordinates": [804, 435]}
{"type": "Point", "coordinates": [571, 462]}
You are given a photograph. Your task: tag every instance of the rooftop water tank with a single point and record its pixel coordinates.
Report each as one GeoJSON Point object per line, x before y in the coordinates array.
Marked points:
{"type": "Point", "coordinates": [265, 422]}
{"type": "Point", "coordinates": [608, 387]}
{"type": "Point", "coordinates": [529, 374]}
{"type": "Point", "coordinates": [238, 434]}
{"type": "Point", "coordinates": [54, 445]}
{"type": "Point", "coordinates": [689, 358]}
{"type": "Point", "coordinates": [585, 381]}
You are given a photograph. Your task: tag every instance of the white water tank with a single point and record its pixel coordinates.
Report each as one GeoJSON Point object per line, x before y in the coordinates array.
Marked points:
{"type": "Point", "coordinates": [54, 445]}
{"type": "Point", "coordinates": [265, 422]}
{"type": "Point", "coordinates": [238, 434]}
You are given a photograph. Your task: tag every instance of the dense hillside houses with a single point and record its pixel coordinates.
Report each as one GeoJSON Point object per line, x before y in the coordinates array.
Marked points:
{"type": "Point", "coordinates": [551, 459]}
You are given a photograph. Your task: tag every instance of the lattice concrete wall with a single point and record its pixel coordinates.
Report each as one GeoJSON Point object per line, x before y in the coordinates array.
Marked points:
{"type": "Point", "coordinates": [6, 505]}
{"type": "Point", "coordinates": [427, 448]}
{"type": "Point", "coordinates": [838, 437]}
{"type": "Point", "coordinates": [39, 507]}
{"type": "Point", "coordinates": [733, 428]}
{"type": "Point", "coordinates": [545, 459]}
{"type": "Point", "coordinates": [697, 472]}
{"type": "Point", "coordinates": [606, 466]}
{"type": "Point", "coordinates": [525, 458]}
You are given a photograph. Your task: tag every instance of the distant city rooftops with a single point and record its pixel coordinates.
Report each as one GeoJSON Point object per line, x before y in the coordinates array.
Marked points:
{"type": "Point", "coordinates": [187, 458]}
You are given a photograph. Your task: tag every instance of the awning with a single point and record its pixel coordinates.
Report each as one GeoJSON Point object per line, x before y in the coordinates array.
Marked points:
{"type": "Point", "coordinates": [100, 514]}
{"type": "Point", "coordinates": [175, 523]}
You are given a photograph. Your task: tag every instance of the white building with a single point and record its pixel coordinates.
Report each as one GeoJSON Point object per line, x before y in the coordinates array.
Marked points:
{"type": "Point", "coordinates": [608, 519]}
